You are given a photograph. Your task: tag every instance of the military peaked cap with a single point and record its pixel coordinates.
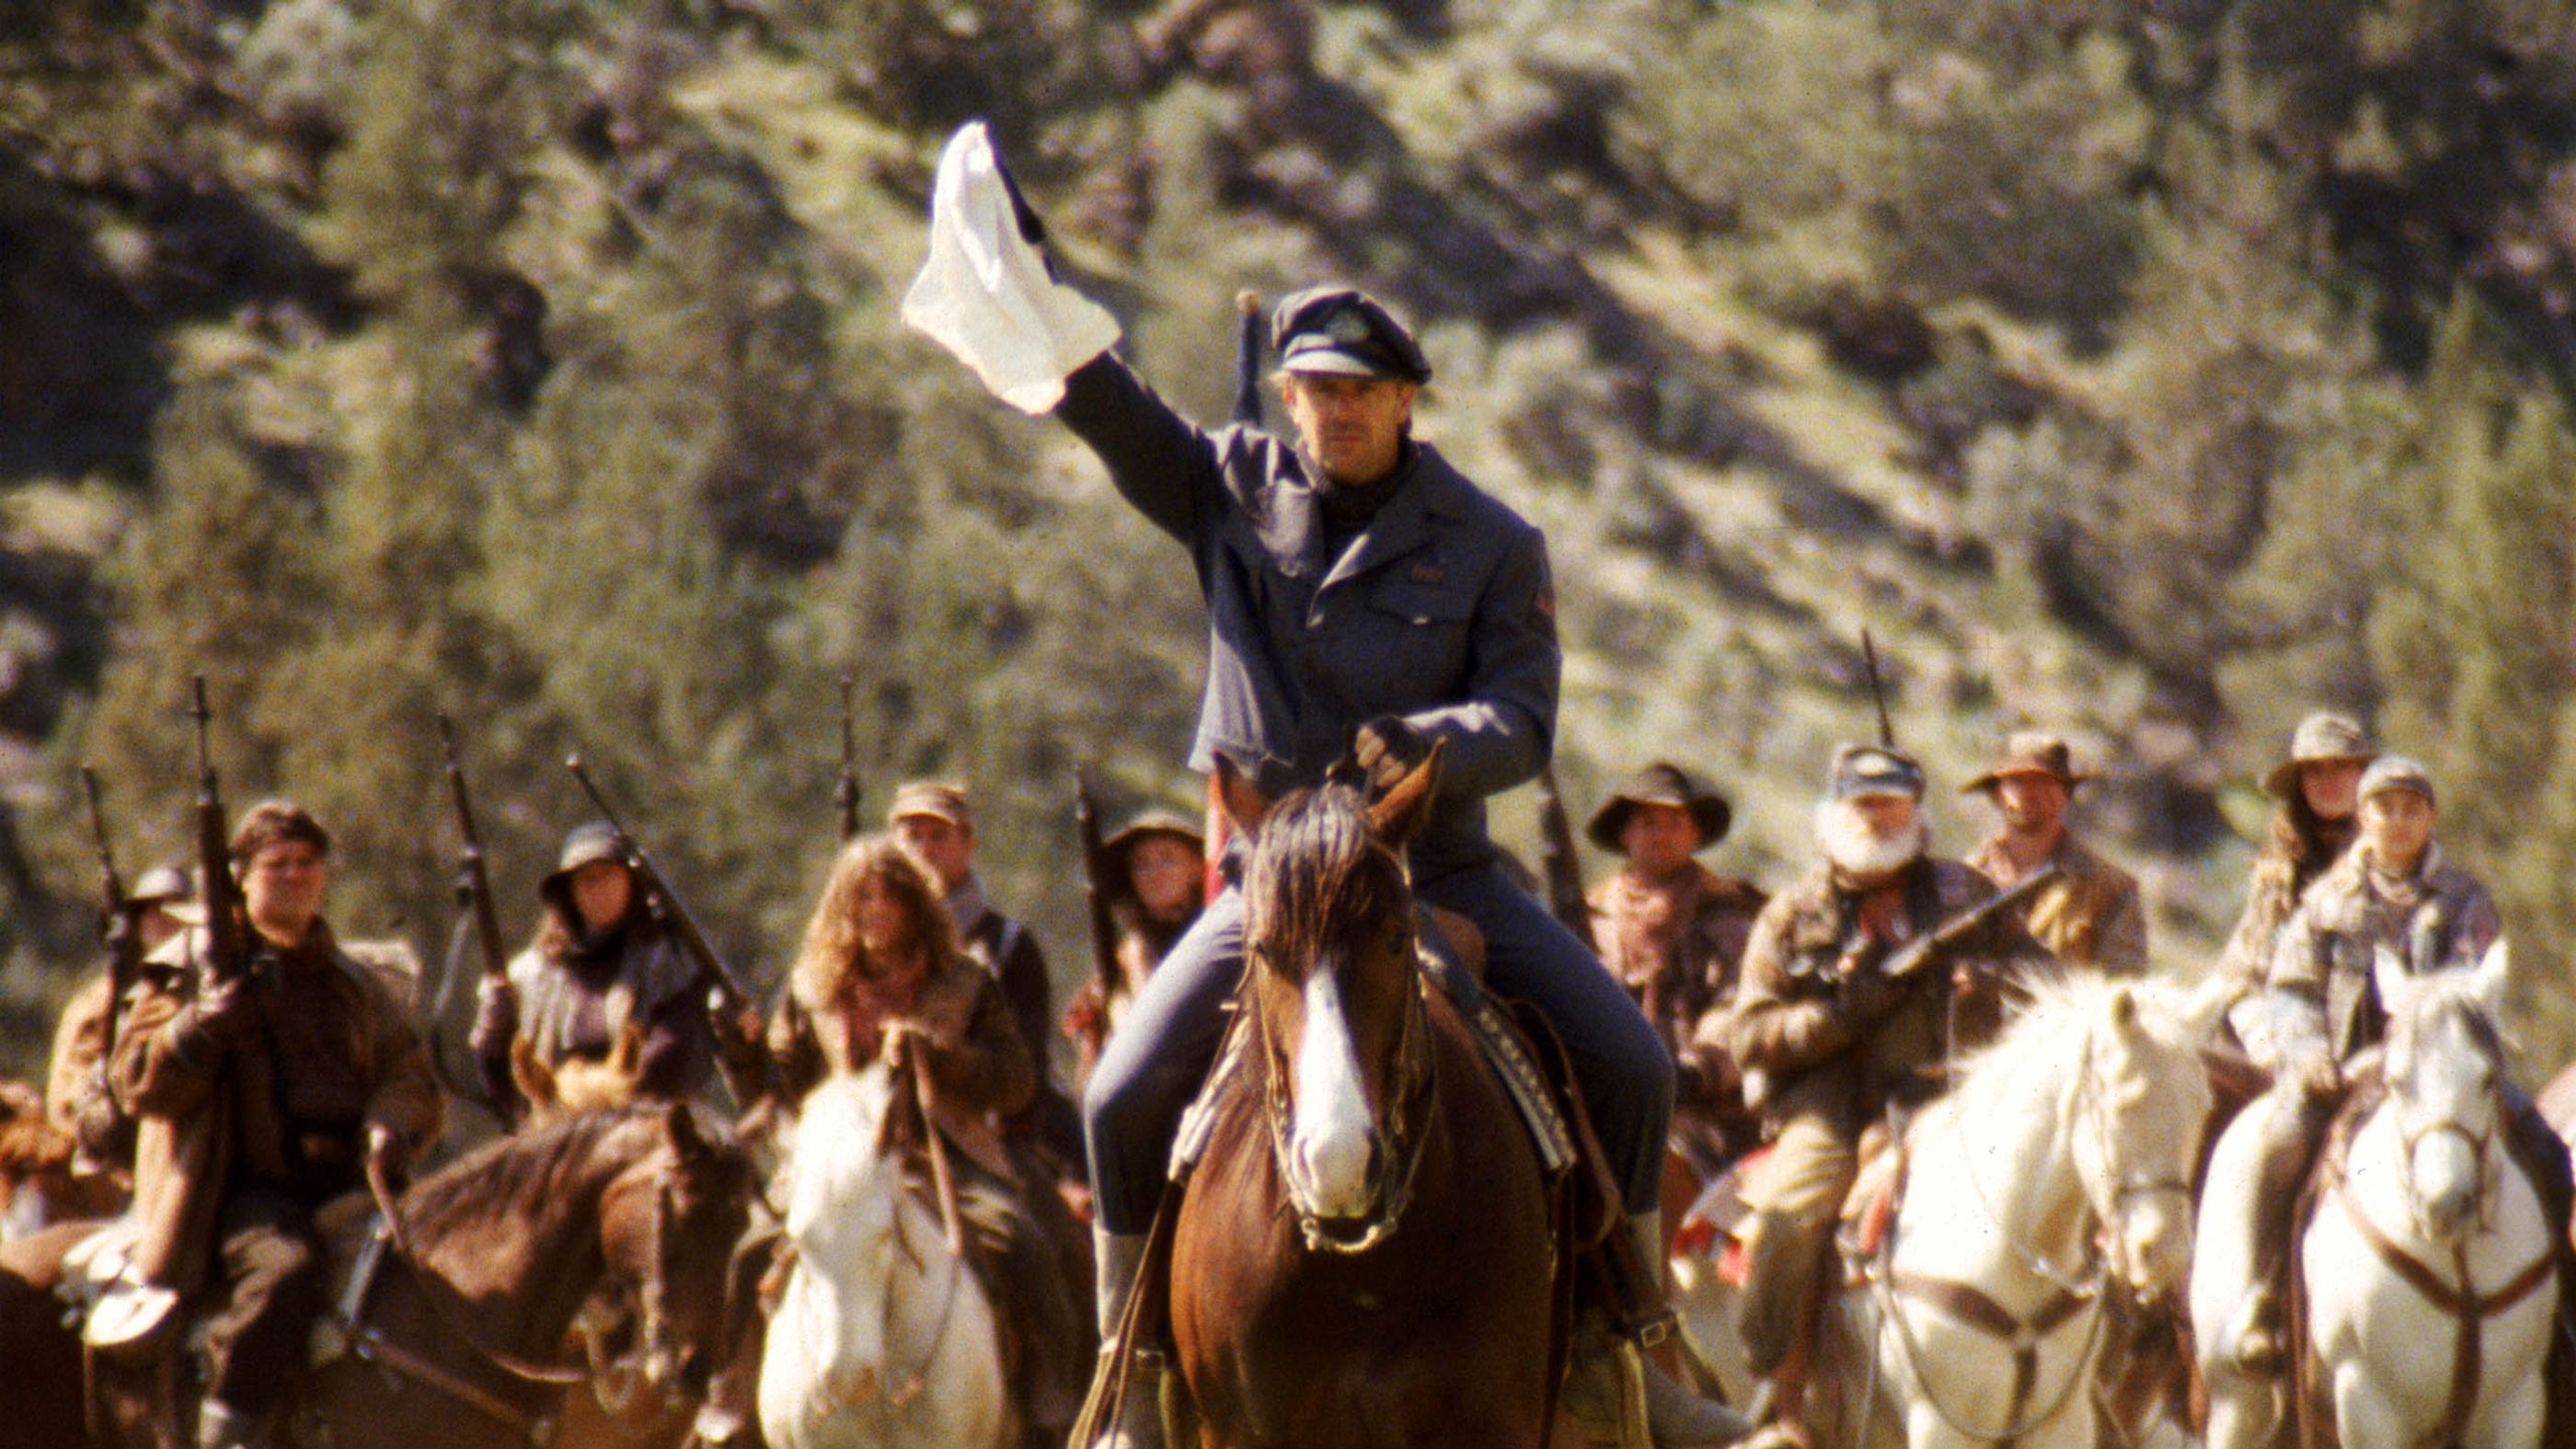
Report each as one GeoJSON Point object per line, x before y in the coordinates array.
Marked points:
{"type": "Point", "coordinates": [1344, 330]}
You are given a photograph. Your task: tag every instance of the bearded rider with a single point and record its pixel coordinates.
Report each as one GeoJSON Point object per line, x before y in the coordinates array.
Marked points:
{"type": "Point", "coordinates": [1831, 1035]}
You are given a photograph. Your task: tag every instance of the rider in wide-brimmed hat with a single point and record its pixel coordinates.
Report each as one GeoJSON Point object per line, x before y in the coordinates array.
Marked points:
{"type": "Point", "coordinates": [2091, 914]}
{"type": "Point", "coordinates": [1673, 932]}
{"type": "Point", "coordinates": [1154, 871]}
{"type": "Point", "coordinates": [2313, 823]}
{"type": "Point", "coordinates": [599, 961]}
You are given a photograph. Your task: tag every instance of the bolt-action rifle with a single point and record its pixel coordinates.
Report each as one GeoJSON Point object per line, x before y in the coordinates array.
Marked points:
{"type": "Point", "coordinates": [664, 900]}
{"type": "Point", "coordinates": [1096, 887]}
{"type": "Point", "coordinates": [118, 930]}
{"type": "Point", "coordinates": [1558, 863]}
{"type": "Point", "coordinates": [845, 796]}
{"type": "Point", "coordinates": [227, 948]}
{"type": "Point", "coordinates": [473, 881]}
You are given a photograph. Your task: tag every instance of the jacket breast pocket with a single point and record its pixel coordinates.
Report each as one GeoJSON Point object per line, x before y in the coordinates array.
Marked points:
{"type": "Point", "coordinates": [1416, 642]}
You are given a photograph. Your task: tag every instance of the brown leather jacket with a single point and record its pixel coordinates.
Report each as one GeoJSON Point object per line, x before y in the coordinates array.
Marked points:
{"type": "Point", "coordinates": [2091, 915]}
{"type": "Point", "coordinates": [1806, 1028]}
{"type": "Point", "coordinates": [980, 1070]}
{"type": "Point", "coordinates": [197, 1118]}
{"type": "Point", "coordinates": [1676, 946]}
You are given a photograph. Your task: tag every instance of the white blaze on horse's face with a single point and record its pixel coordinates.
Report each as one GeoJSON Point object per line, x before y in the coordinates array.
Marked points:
{"type": "Point", "coordinates": [2444, 1081]}
{"type": "Point", "coordinates": [1332, 1136]}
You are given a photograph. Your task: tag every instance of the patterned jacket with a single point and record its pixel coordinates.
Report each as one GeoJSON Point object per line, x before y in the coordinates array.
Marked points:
{"type": "Point", "coordinates": [2323, 981]}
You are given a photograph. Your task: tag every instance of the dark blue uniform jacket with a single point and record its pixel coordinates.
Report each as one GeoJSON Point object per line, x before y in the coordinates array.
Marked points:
{"type": "Point", "coordinates": [1440, 611]}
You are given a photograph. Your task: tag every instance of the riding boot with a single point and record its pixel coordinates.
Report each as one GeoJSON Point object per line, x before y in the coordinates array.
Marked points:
{"type": "Point", "coordinates": [1139, 1425]}
{"type": "Point", "coordinates": [2258, 1330]}
{"type": "Point", "coordinates": [221, 1426]}
{"type": "Point", "coordinates": [1675, 1415]}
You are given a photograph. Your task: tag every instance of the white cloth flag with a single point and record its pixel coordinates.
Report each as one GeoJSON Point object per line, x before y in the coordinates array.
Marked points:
{"type": "Point", "coordinates": [984, 293]}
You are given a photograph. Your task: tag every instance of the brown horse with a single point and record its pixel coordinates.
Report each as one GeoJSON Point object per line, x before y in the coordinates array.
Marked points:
{"type": "Point", "coordinates": [459, 1332]}
{"type": "Point", "coordinates": [1364, 1254]}
{"type": "Point", "coordinates": [39, 1181]}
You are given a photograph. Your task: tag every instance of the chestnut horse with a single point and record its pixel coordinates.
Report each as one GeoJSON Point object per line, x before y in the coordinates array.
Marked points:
{"type": "Point", "coordinates": [459, 1329]}
{"type": "Point", "coordinates": [1363, 1256]}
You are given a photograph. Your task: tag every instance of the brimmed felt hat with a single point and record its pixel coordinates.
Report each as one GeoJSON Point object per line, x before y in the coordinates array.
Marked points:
{"type": "Point", "coordinates": [1861, 771]}
{"type": "Point", "coordinates": [2395, 772]}
{"type": "Point", "coordinates": [588, 843]}
{"type": "Point", "coordinates": [1661, 784]}
{"type": "Point", "coordinates": [2321, 738]}
{"type": "Point", "coordinates": [1151, 823]}
{"type": "Point", "coordinates": [2031, 753]}
{"type": "Point", "coordinates": [1345, 331]}
{"type": "Point", "coordinates": [940, 799]}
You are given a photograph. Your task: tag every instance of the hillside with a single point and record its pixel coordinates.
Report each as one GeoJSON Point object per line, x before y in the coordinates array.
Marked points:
{"type": "Point", "coordinates": [2150, 373]}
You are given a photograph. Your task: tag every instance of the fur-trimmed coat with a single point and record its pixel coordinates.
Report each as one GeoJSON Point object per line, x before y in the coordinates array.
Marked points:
{"type": "Point", "coordinates": [1798, 1021]}
{"type": "Point", "coordinates": [980, 1071]}
{"type": "Point", "coordinates": [197, 1116]}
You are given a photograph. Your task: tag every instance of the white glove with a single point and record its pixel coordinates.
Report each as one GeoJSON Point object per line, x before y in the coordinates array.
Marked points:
{"type": "Point", "coordinates": [984, 293]}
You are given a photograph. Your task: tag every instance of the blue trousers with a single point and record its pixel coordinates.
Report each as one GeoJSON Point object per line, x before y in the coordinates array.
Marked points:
{"type": "Point", "coordinates": [1153, 1066]}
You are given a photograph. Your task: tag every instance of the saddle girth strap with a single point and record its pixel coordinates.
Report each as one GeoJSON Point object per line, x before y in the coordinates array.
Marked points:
{"type": "Point", "coordinates": [1972, 1306]}
{"type": "Point", "coordinates": [2468, 1307]}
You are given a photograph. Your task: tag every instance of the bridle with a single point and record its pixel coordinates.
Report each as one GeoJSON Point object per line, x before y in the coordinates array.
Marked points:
{"type": "Point", "coordinates": [597, 1367]}
{"type": "Point", "coordinates": [2084, 1292]}
{"type": "Point", "coordinates": [1403, 1129]}
{"type": "Point", "coordinates": [2481, 1145]}
{"type": "Point", "coordinates": [2458, 1295]}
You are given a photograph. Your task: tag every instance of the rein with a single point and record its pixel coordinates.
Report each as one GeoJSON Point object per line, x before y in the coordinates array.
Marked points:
{"type": "Point", "coordinates": [1978, 1309]}
{"type": "Point", "coordinates": [373, 1345]}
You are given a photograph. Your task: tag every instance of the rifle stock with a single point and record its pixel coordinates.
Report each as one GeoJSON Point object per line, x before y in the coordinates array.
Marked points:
{"type": "Point", "coordinates": [474, 881]}
{"type": "Point", "coordinates": [676, 913]}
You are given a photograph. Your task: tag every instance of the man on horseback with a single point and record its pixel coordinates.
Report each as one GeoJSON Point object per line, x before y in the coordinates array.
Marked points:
{"type": "Point", "coordinates": [2090, 915]}
{"type": "Point", "coordinates": [1836, 1022]}
{"type": "Point", "coordinates": [1358, 587]}
{"type": "Point", "coordinates": [259, 1097]}
{"type": "Point", "coordinates": [1360, 591]}
{"type": "Point", "coordinates": [2320, 1018]}
{"type": "Point", "coordinates": [1672, 932]}
{"type": "Point", "coordinates": [77, 1094]}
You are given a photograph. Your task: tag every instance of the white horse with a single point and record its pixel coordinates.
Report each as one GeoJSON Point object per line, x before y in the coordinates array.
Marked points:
{"type": "Point", "coordinates": [881, 1337]}
{"type": "Point", "coordinates": [2429, 1268]}
{"type": "Point", "coordinates": [2055, 1177]}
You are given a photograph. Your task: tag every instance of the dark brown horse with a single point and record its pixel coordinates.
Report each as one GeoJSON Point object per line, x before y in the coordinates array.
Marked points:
{"type": "Point", "coordinates": [1363, 1256]}
{"type": "Point", "coordinates": [459, 1339]}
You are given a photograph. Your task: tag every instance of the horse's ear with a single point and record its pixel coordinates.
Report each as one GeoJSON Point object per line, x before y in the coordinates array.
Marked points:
{"type": "Point", "coordinates": [534, 1079]}
{"type": "Point", "coordinates": [2398, 987]}
{"type": "Point", "coordinates": [2124, 1012]}
{"type": "Point", "coordinates": [1243, 802]}
{"type": "Point", "coordinates": [680, 1124]}
{"type": "Point", "coordinates": [1402, 811]}
{"type": "Point", "coordinates": [626, 1058]}
{"type": "Point", "coordinates": [2494, 975]}
{"type": "Point", "coordinates": [2207, 1006]}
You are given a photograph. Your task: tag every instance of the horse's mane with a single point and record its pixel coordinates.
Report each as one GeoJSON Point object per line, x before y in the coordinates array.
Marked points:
{"type": "Point", "coordinates": [2048, 1035]}
{"type": "Point", "coordinates": [1305, 869]}
{"type": "Point", "coordinates": [2452, 993]}
{"type": "Point", "coordinates": [534, 1166]}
